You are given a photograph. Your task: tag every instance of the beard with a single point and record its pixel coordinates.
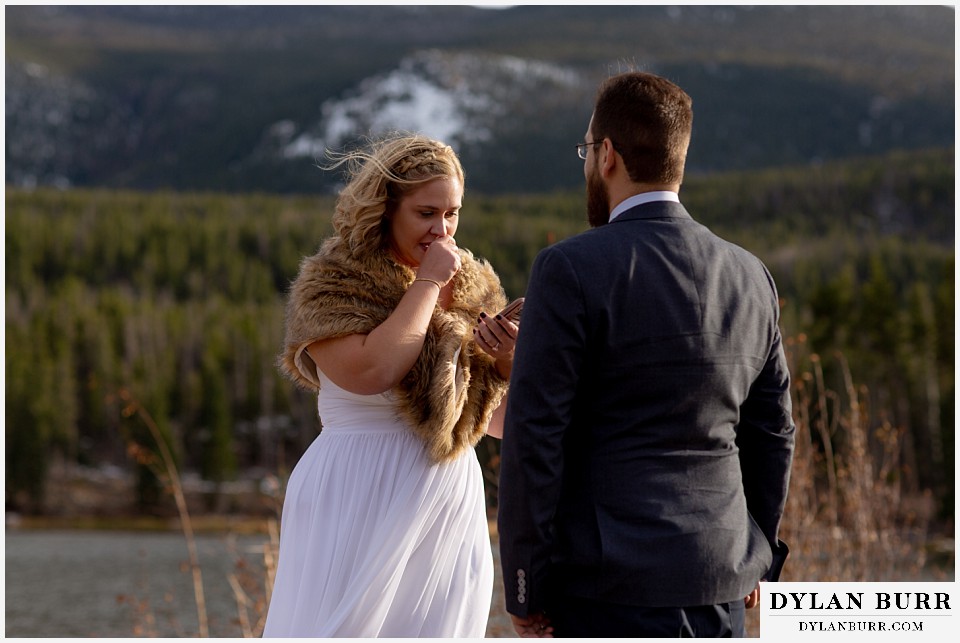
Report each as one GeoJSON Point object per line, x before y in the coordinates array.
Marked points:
{"type": "Point", "coordinates": [598, 200]}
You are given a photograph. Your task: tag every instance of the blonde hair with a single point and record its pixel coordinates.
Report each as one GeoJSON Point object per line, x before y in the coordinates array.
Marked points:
{"type": "Point", "coordinates": [379, 178]}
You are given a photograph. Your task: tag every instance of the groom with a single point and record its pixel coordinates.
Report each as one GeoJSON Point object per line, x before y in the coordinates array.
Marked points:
{"type": "Point", "coordinates": [649, 435]}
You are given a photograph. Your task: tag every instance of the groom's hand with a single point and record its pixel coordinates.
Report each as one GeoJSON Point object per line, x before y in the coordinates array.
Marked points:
{"type": "Point", "coordinates": [753, 598]}
{"type": "Point", "coordinates": [532, 626]}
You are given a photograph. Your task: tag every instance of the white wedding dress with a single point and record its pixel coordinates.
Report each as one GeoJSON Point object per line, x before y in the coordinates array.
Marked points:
{"type": "Point", "coordinates": [375, 539]}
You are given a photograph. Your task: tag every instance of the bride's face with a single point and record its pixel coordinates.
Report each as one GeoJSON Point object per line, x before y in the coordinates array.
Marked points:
{"type": "Point", "coordinates": [430, 211]}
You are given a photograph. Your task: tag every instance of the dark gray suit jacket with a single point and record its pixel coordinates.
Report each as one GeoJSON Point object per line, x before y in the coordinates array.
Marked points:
{"type": "Point", "coordinates": [649, 434]}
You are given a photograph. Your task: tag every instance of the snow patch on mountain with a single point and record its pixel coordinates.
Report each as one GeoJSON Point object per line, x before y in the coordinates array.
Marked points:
{"type": "Point", "coordinates": [455, 97]}
{"type": "Point", "coordinates": [44, 111]}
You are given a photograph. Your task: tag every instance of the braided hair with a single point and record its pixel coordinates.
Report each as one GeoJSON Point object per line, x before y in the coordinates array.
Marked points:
{"type": "Point", "coordinates": [379, 178]}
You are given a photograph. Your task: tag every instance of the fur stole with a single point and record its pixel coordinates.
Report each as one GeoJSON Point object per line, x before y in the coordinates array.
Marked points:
{"type": "Point", "coordinates": [453, 388]}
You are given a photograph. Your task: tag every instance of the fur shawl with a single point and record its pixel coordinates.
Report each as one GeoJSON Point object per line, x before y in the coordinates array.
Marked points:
{"type": "Point", "coordinates": [453, 388]}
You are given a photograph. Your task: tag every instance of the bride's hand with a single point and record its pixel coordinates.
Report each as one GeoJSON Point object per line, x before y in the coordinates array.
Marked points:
{"type": "Point", "coordinates": [497, 336]}
{"type": "Point", "coordinates": [441, 261]}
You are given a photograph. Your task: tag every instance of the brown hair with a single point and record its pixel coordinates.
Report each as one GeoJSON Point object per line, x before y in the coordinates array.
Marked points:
{"type": "Point", "coordinates": [649, 121]}
{"type": "Point", "coordinates": [379, 178]}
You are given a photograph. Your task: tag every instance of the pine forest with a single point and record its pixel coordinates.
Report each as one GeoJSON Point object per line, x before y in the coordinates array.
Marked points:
{"type": "Point", "coordinates": [176, 300]}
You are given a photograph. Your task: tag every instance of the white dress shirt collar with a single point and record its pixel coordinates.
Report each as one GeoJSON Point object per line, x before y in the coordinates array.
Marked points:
{"type": "Point", "coordinates": [640, 199]}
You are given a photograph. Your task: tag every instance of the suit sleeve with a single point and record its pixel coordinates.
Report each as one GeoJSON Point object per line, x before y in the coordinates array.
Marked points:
{"type": "Point", "coordinates": [765, 437]}
{"type": "Point", "coordinates": [543, 384]}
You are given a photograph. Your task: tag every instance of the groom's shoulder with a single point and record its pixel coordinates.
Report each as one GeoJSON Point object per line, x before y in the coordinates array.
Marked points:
{"type": "Point", "coordinates": [587, 241]}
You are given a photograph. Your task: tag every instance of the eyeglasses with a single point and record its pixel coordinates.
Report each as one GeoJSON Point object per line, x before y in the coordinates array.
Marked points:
{"type": "Point", "coordinates": [582, 148]}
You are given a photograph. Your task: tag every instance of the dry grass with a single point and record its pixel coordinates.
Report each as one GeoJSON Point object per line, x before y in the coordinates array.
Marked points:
{"type": "Point", "coordinates": [165, 468]}
{"type": "Point", "coordinates": [252, 586]}
{"type": "Point", "coordinates": [847, 518]}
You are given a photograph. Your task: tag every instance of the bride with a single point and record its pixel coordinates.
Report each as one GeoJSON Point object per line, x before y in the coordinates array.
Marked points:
{"type": "Point", "coordinates": [384, 530]}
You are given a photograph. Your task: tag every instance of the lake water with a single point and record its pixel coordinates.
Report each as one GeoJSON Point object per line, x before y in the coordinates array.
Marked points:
{"type": "Point", "coordinates": [79, 583]}
{"type": "Point", "coordinates": [119, 584]}
{"type": "Point", "coordinates": [123, 584]}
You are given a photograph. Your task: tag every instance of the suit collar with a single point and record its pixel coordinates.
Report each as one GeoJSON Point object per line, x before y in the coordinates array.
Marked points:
{"type": "Point", "coordinates": [639, 199]}
{"type": "Point", "coordinates": [654, 210]}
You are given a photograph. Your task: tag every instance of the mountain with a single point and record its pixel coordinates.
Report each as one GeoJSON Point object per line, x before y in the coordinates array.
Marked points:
{"type": "Point", "coordinates": [247, 98]}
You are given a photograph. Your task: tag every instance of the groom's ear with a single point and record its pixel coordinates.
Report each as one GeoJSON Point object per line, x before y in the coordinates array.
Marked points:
{"type": "Point", "coordinates": [608, 159]}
